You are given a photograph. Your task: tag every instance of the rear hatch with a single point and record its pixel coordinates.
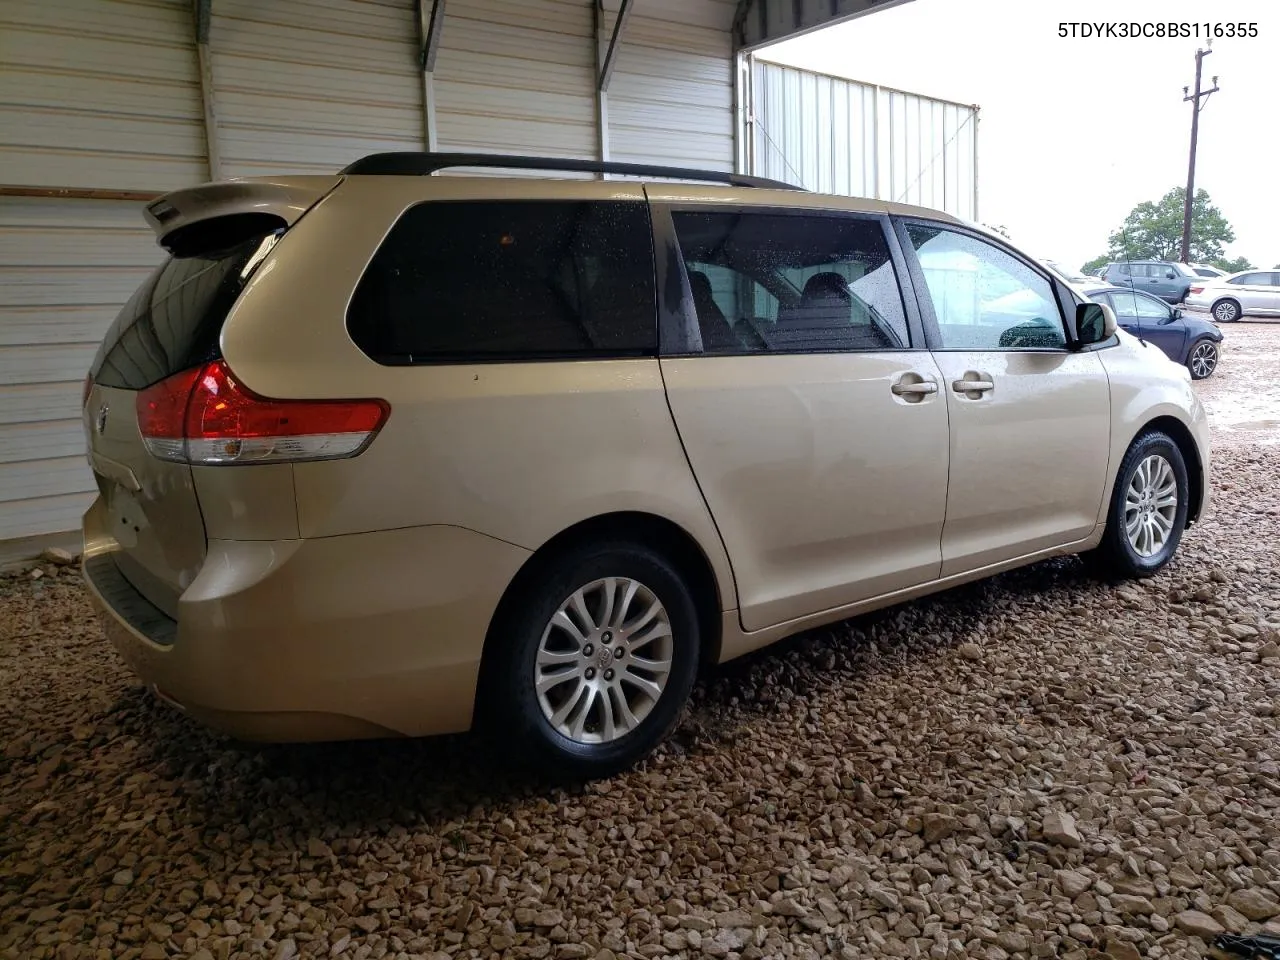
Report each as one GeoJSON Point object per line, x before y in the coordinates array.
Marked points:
{"type": "Point", "coordinates": [164, 336]}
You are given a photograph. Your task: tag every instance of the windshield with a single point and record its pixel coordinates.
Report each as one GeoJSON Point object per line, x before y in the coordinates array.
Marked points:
{"type": "Point", "coordinates": [1185, 270]}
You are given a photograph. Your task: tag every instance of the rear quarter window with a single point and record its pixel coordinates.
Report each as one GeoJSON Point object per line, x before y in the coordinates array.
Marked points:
{"type": "Point", "coordinates": [458, 281]}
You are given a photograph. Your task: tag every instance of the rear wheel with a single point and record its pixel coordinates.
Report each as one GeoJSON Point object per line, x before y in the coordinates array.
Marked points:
{"type": "Point", "coordinates": [1148, 509]}
{"type": "Point", "coordinates": [1203, 358]}
{"type": "Point", "coordinates": [1226, 311]}
{"type": "Point", "coordinates": [594, 661]}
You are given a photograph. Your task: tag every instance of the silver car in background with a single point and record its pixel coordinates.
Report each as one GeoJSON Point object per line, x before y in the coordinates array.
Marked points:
{"type": "Point", "coordinates": [1251, 293]}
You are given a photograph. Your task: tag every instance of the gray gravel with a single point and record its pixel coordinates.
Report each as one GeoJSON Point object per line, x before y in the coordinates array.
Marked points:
{"type": "Point", "coordinates": [1037, 766]}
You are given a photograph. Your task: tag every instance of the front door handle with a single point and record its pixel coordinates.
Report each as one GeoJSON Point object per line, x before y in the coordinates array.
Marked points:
{"type": "Point", "coordinates": [915, 390]}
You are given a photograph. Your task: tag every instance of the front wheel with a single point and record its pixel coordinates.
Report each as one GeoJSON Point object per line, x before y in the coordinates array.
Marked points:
{"type": "Point", "coordinates": [594, 661]}
{"type": "Point", "coordinates": [1226, 311]}
{"type": "Point", "coordinates": [1148, 509]}
{"type": "Point", "coordinates": [1203, 358]}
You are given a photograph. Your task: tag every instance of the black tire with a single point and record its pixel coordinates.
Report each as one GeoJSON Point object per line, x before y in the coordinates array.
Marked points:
{"type": "Point", "coordinates": [1198, 369]}
{"type": "Point", "coordinates": [1226, 310]}
{"type": "Point", "coordinates": [1116, 556]}
{"type": "Point", "coordinates": [509, 704]}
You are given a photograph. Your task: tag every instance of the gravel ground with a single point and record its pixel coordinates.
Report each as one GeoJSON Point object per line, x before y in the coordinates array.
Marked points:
{"type": "Point", "coordinates": [1036, 766]}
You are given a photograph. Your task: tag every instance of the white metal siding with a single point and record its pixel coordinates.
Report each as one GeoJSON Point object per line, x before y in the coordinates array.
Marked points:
{"type": "Point", "coordinates": [66, 266]}
{"type": "Point", "coordinates": [307, 86]}
{"type": "Point", "coordinates": [671, 99]}
{"type": "Point", "coordinates": [929, 152]}
{"type": "Point", "coordinates": [840, 136]}
{"type": "Point", "coordinates": [102, 94]}
{"type": "Point", "coordinates": [517, 76]}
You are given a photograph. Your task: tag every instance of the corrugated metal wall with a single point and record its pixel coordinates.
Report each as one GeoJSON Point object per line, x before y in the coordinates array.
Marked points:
{"type": "Point", "coordinates": [106, 95]}
{"type": "Point", "coordinates": [517, 77]}
{"type": "Point", "coordinates": [671, 99]}
{"type": "Point", "coordinates": [65, 268]}
{"type": "Point", "coordinates": [841, 136]}
{"type": "Point", "coordinates": [307, 86]}
{"type": "Point", "coordinates": [100, 95]}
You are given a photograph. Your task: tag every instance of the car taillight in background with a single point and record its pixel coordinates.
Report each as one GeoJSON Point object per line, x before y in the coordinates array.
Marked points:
{"type": "Point", "coordinates": [204, 416]}
{"type": "Point", "coordinates": [1195, 290]}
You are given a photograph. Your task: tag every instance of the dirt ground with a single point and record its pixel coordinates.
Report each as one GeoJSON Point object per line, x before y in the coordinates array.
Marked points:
{"type": "Point", "coordinates": [1041, 765]}
{"type": "Point", "coordinates": [1243, 395]}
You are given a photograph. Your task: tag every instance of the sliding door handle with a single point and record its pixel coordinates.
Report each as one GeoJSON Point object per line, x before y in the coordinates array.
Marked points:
{"type": "Point", "coordinates": [972, 386]}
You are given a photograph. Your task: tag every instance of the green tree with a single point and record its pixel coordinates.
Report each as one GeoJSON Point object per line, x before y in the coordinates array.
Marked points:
{"type": "Point", "coordinates": [1232, 266]}
{"type": "Point", "coordinates": [1153, 230]}
{"type": "Point", "coordinates": [1097, 263]}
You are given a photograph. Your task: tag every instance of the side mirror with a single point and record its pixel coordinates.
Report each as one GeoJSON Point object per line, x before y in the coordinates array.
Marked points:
{"type": "Point", "coordinates": [1095, 322]}
{"type": "Point", "coordinates": [1177, 313]}
{"type": "Point", "coordinates": [1170, 275]}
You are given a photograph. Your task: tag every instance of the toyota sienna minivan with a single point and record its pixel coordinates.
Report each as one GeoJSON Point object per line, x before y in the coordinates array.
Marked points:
{"type": "Point", "coordinates": [398, 452]}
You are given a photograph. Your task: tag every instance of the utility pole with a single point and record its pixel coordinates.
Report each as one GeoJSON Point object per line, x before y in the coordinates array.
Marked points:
{"type": "Point", "coordinates": [1196, 105]}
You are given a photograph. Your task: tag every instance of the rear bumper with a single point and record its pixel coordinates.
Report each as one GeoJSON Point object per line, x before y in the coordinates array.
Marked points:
{"type": "Point", "coordinates": [369, 635]}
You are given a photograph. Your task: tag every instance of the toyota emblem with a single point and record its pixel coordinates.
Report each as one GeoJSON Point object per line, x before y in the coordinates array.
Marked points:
{"type": "Point", "coordinates": [101, 421]}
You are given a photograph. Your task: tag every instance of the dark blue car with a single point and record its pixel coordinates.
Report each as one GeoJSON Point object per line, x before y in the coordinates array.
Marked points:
{"type": "Point", "coordinates": [1188, 340]}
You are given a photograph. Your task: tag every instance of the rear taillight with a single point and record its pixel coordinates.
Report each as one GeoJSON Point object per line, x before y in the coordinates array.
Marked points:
{"type": "Point", "coordinates": [204, 416]}
{"type": "Point", "coordinates": [1196, 290]}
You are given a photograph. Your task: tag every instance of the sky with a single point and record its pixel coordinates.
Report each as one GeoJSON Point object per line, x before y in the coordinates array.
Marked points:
{"type": "Point", "coordinates": [1073, 133]}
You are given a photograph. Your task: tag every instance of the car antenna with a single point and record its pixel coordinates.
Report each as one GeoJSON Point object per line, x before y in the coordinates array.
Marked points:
{"type": "Point", "coordinates": [1124, 235]}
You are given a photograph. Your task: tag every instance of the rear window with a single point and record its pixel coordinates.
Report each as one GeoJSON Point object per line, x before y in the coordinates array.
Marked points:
{"type": "Point", "coordinates": [504, 280]}
{"type": "Point", "coordinates": [173, 321]}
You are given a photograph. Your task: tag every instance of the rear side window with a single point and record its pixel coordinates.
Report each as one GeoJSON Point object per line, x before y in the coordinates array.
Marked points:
{"type": "Point", "coordinates": [500, 280]}
{"type": "Point", "coordinates": [786, 283]}
{"type": "Point", "coordinates": [173, 321]}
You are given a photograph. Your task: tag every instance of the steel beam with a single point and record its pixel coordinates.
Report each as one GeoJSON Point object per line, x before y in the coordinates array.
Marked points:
{"type": "Point", "coordinates": [430, 30]}
{"type": "Point", "coordinates": [76, 193]}
{"type": "Point", "coordinates": [430, 27]}
{"type": "Point", "coordinates": [757, 23]}
{"type": "Point", "coordinates": [204, 58]}
{"type": "Point", "coordinates": [611, 55]}
{"type": "Point", "coordinates": [602, 98]}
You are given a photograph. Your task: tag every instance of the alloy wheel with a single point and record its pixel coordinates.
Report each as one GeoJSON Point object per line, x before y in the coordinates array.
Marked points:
{"type": "Point", "coordinates": [1151, 506]}
{"type": "Point", "coordinates": [604, 660]}
{"type": "Point", "coordinates": [1204, 358]}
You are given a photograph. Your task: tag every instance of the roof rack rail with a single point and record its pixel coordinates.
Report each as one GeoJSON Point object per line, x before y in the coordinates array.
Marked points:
{"type": "Point", "coordinates": [410, 164]}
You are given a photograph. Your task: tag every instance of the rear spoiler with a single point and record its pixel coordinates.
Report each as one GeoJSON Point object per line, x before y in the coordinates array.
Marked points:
{"type": "Point", "coordinates": [255, 203]}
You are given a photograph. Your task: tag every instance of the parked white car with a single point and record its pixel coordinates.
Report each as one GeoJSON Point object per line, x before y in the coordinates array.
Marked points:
{"type": "Point", "coordinates": [1252, 293]}
{"type": "Point", "coordinates": [1207, 270]}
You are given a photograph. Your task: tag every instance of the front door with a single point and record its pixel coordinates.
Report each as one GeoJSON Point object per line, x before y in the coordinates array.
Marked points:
{"type": "Point", "coordinates": [1151, 319]}
{"type": "Point", "coordinates": [811, 414]}
{"type": "Point", "coordinates": [1259, 293]}
{"type": "Point", "coordinates": [1030, 419]}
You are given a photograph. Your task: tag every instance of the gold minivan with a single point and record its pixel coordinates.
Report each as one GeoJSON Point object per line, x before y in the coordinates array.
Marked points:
{"type": "Point", "coordinates": [391, 452]}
